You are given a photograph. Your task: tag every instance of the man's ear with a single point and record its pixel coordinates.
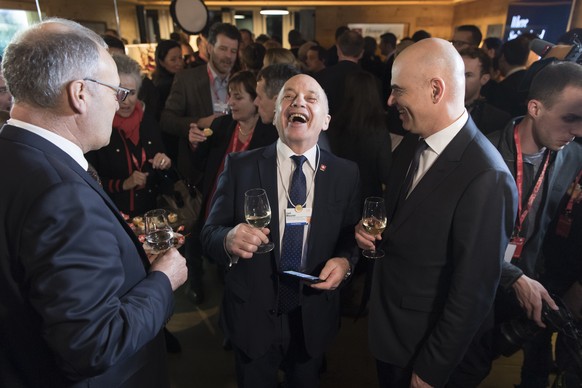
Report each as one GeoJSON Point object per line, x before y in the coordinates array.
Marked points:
{"type": "Point", "coordinates": [484, 78]}
{"type": "Point", "coordinates": [326, 123]}
{"type": "Point", "coordinates": [534, 108]}
{"type": "Point", "coordinates": [77, 94]}
{"type": "Point", "coordinates": [437, 89]}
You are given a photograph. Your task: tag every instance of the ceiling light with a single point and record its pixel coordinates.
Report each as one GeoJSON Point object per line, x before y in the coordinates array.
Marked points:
{"type": "Point", "coordinates": [273, 11]}
{"type": "Point", "coordinates": [239, 16]}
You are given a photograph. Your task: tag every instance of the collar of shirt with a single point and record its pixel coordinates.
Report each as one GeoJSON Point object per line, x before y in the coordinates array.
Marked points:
{"type": "Point", "coordinates": [67, 146]}
{"type": "Point", "coordinates": [218, 80]}
{"type": "Point", "coordinates": [284, 154]}
{"type": "Point", "coordinates": [436, 143]}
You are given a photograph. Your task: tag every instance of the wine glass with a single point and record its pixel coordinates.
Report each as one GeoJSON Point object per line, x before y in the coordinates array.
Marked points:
{"type": "Point", "coordinates": [258, 214]}
{"type": "Point", "coordinates": [158, 232]}
{"type": "Point", "coordinates": [374, 222]}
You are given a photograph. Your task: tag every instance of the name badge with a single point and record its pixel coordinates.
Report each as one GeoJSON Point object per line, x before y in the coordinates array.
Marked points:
{"type": "Point", "coordinates": [509, 251]}
{"type": "Point", "coordinates": [294, 217]}
{"type": "Point", "coordinates": [514, 248]}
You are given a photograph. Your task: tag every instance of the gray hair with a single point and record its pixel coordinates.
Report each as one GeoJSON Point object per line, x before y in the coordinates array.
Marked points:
{"type": "Point", "coordinates": [42, 60]}
{"type": "Point", "coordinates": [126, 65]}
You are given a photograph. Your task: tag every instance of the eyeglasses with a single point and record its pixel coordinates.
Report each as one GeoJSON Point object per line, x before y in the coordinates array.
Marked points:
{"type": "Point", "coordinates": [120, 93]}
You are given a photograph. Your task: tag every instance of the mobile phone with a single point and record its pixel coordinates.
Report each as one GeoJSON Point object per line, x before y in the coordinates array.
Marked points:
{"type": "Point", "coordinates": [304, 276]}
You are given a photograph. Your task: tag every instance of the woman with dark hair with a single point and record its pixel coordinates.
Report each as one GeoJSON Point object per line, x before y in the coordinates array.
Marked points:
{"type": "Point", "coordinates": [241, 130]}
{"type": "Point", "coordinates": [238, 131]}
{"type": "Point", "coordinates": [169, 61]}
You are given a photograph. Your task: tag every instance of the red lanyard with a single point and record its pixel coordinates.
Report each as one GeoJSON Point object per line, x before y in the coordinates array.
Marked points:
{"type": "Point", "coordinates": [522, 213]}
{"type": "Point", "coordinates": [236, 145]}
{"type": "Point", "coordinates": [211, 78]}
{"type": "Point", "coordinates": [131, 159]}
{"type": "Point", "coordinates": [132, 162]}
{"type": "Point", "coordinates": [573, 196]}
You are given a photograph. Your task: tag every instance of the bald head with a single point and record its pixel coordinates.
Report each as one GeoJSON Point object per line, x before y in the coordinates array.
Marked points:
{"type": "Point", "coordinates": [428, 82]}
{"type": "Point", "coordinates": [437, 58]}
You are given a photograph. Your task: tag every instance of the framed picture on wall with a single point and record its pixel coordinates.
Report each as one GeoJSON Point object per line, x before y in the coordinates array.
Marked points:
{"type": "Point", "coordinates": [375, 30]}
{"type": "Point", "coordinates": [495, 31]}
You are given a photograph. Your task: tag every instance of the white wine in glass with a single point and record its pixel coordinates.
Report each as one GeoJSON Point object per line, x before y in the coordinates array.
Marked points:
{"type": "Point", "coordinates": [258, 214]}
{"type": "Point", "coordinates": [158, 232]}
{"type": "Point", "coordinates": [374, 222]}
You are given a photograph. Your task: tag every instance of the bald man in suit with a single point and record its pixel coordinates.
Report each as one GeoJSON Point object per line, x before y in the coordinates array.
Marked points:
{"type": "Point", "coordinates": [451, 212]}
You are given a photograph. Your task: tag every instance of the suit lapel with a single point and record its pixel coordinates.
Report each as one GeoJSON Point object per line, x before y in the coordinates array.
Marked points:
{"type": "Point", "coordinates": [268, 180]}
{"type": "Point", "coordinates": [323, 181]}
{"type": "Point", "coordinates": [445, 164]}
{"type": "Point", "coordinates": [26, 137]}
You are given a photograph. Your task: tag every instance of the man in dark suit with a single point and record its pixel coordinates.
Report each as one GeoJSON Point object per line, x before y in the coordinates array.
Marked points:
{"type": "Point", "coordinates": [451, 212]}
{"type": "Point", "coordinates": [508, 95]}
{"type": "Point", "coordinates": [198, 96]}
{"type": "Point", "coordinates": [477, 73]}
{"type": "Point", "coordinates": [350, 48]}
{"type": "Point", "coordinates": [80, 303]}
{"type": "Point", "coordinates": [272, 319]}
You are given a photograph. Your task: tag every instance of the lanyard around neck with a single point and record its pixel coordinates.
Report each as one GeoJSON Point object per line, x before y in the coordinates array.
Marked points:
{"type": "Point", "coordinates": [522, 213]}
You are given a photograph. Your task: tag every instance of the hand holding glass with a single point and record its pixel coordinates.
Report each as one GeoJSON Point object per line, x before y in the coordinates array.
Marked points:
{"type": "Point", "coordinates": [158, 232]}
{"type": "Point", "coordinates": [374, 222]}
{"type": "Point", "coordinates": [258, 214]}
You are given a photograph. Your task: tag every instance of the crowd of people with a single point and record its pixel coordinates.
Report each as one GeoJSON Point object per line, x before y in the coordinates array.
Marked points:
{"type": "Point", "coordinates": [474, 150]}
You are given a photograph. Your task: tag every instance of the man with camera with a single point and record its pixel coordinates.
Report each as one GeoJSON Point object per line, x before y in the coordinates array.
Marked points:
{"type": "Point", "coordinates": [538, 150]}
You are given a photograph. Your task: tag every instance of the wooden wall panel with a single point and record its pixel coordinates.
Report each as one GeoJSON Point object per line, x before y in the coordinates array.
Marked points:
{"type": "Point", "coordinates": [434, 19]}
{"type": "Point", "coordinates": [481, 14]}
{"type": "Point", "coordinates": [439, 20]}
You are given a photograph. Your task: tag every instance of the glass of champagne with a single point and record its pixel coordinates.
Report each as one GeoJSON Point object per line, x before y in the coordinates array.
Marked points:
{"type": "Point", "coordinates": [258, 213]}
{"type": "Point", "coordinates": [158, 232]}
{"type": "Point", "coordinates": [374, 222]}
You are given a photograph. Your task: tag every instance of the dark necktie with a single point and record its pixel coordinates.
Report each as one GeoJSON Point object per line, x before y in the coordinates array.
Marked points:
{"type": "Point", "coordinates": [291, 247]}
{"type": "Point", "coordinates": [407, 184]}
{"type": "Point", "coordinates": [91, 170]}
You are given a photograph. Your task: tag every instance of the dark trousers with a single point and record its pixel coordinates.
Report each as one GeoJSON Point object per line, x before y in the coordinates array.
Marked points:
{"type": "Point", "coordinates": [286, 353]}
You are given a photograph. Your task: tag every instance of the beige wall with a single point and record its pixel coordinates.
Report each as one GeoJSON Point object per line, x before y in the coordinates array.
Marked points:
{"type": "Point", "coordinates": [435, 19]}
{"type": "Point", "coordinates": [481, 14]}
{"type": "Point", "coordinates": [438, 20]}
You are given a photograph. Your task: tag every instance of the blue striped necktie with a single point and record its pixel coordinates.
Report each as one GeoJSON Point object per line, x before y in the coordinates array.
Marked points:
{"type": "Point", "coordinates": [291, 248]}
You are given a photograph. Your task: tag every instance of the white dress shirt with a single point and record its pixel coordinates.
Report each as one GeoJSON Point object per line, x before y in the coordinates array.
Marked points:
{"type": "Point", "coordinates": [285, 168]}
{"type": "Point", "coordinates": [437, 142]}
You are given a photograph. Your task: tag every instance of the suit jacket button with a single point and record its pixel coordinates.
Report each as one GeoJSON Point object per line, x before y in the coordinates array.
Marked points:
{"type": "Point", "coordinates": [272, 311]}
